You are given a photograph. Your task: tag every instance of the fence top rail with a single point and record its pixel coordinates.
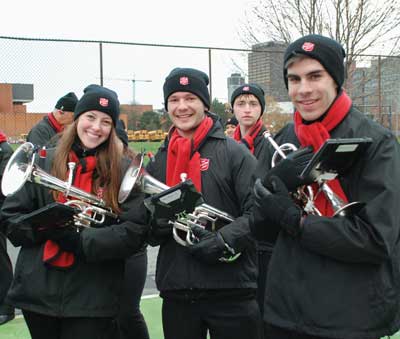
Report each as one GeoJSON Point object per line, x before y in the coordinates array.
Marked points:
{"type": "Point", "coordinates": [258, 50]}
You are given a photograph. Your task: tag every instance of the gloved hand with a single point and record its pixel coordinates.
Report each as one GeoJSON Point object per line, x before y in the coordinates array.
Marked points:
{"type": "Point", "coordinates": [160, 231]}
{"type": "Point", "coordinates": [260, 227]}
{"type": "Point", "coordinates": [276, 207]}
{"type": "Point", "coordinates": [290, 168]}
{"type": "Point", "coordinates": [210, 246]}
{"type": "Point", "coordinates": [68, 238]}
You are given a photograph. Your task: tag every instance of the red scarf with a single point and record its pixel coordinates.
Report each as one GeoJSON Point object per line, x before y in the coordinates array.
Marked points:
{"type": "Point", "coordinates": [315, 135]}
{"type": "Point", "coordinates": [248, 139]}
{"type": "Point", "coordinates": [2, 137]}
{"type": "Point", "coordinates": [54, 123]}
{"type": "Point", "coordinates": [183, 155]}
{"type": "Point", "coordinates": [52, 254]}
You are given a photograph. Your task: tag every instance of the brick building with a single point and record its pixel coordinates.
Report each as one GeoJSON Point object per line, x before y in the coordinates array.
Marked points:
{"type": "Point", "coordinates": [14, 118]}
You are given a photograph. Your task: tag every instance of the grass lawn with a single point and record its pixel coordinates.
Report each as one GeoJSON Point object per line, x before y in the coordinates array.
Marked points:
{"type": "Point", "coordinates": [147, 146]}
{"type": "Point", "coordinates": [151, 309]}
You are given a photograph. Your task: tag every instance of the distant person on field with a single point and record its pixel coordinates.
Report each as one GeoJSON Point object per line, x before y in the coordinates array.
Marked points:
{"type": "Point", "coordinates": [55, 121]}
{"type": "Point", "coordinates": [230, 126]}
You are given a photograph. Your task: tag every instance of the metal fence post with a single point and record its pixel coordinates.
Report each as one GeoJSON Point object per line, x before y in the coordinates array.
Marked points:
{"type": "Point", "coordinates": [101, 62]}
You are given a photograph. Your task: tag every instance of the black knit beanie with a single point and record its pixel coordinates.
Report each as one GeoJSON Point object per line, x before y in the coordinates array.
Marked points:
{"type": "Point", "coordinates": [254, 89]}
{"type": "Point", "coordinates": [187, 80]}
{"type": "Point", "coordinates": [67, 102]}
{"type": "Point", "coordinates": [326, 50]}
{"type": "Point", "coordinates": [98, 98]}
{"type": "Point", "coordinates": [232, 121]}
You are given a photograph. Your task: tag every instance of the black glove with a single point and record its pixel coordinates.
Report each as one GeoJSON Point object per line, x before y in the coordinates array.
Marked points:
{"type": "Point", "coordinates": [68, 238]}
{"type": "Point", "coordinates": [277, 207]}
{"type": "Point", "coordinates": [290, 168]}
{"type": "Point", "coordinates": [210, 246]}
{"type": "Point", "coordinates": [259, 226]}
{"type": "Point", "coordinates": [160, 230]}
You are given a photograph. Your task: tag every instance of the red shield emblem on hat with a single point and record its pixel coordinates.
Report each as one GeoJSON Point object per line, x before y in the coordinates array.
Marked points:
{"type": "Point", "coordinates": [103, 102]}
{"type": "Point", "coordinates": [308, 46]}
{"type": "Point", "coordinates": [246, 88]}
{"type": "Point", "coordinates": [184, 81]}
{"type": "Point", "coordinates": [204, 164]}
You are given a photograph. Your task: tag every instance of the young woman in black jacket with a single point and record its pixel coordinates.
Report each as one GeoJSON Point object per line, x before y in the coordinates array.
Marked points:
{"type": "Point", "coordinates": [67, 281]}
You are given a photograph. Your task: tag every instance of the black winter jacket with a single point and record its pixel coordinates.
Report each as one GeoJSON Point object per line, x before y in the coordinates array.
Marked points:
{"type": "Point", "coordinates": [225, 185]}
{"type": "Point", "coordinates": [5, 154]}
{"type": "Point", "coordinates": [341, 278]}
{"type": "Point", "coordinates": [92, 286]}
{"type": "Point", "coordinates": [42, 133]}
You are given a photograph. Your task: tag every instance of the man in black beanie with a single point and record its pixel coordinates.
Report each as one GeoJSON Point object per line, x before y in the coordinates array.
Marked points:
{"type": "Point", "coordinates": [248, 105]}
{"type": "Point", "coordinates": [52, 124]}
{"type": "Point", "coordinates": [330, 275]}
{"type": "Point", "coordinates": [205, 286]}
{"type": "Point", "coordinates": [230, 126]}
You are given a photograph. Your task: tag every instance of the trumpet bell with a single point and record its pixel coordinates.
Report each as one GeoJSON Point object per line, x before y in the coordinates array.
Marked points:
{"type": "Point", "coordinates": [136, 178]}
{"type": "Point", "coordinates": [349, 209]}
{"type": "Point", "coordinates": [132, 175]}
{"type": "Point", "coordinates": [18, 169]}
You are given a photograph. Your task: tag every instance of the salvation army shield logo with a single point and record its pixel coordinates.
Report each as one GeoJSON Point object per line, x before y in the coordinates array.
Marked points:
{"type": "Point", "coordinates": [103, 102]}
{"type": "Point", "coordinates": [308, 46]}
{"type": "Point", "coordinates": [184, 81]}
{"type": "Point", "coordinates": [204, 164]}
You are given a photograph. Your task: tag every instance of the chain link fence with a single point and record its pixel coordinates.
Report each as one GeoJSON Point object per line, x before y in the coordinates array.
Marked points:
{"type": "Point", "coordinates": [136, 71]}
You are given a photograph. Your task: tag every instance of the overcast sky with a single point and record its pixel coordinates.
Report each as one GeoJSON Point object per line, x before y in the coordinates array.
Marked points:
{"type": "Point", "coordinates": [212, 23]}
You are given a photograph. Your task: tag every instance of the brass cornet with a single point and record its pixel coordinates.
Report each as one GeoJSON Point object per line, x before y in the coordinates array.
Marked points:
{"type": "Point", "coordinates": [340, 208]}
{"type": "Point", "coordinates": [137, 178]}
{"type": "Point", "coordinates": [22, 168]}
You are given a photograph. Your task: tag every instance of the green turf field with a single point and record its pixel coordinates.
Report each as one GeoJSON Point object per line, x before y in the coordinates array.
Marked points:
{"type": "Point", "coordinates": [151, 309]}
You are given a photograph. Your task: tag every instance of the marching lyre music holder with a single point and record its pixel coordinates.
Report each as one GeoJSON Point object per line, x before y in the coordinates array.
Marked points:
{"type": "Point", "coordinates": [335, 157]}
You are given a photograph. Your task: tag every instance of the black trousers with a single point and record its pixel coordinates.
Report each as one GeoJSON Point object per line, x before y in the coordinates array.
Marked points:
{"type": "Point", "coordinates": [131, 322]}
{"type": "Point", "coordinates": [6, 276]}
{"type": "Point", "coordinates": [273, 332]}
{"type": "Point", "coordinates": [46, 327]}
{"type": "Point", "coordinates": [263, 261]}
{"type": "Point", "coordinates": [223, 319]}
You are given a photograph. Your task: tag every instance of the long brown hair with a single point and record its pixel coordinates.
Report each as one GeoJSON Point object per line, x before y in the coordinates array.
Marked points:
{"type": "Point", "coordinates": [108, 165]}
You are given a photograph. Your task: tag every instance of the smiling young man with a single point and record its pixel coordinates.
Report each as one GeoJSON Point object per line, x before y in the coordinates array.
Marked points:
{"type": "Point", "coordinates": [200, 292]}
{"type": "Point", "coordinates": [330, 277]}
{"type": "Point", "coordinates": [52, 124]}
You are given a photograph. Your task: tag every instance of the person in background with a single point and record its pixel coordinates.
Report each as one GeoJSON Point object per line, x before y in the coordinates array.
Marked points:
{"type": "Point", "coordinates": [329, 276]}
{"type": "Point", "coordinates": [52, 124]}
{"type": "Point", "coordinates": [6, 272]}
{"type": "Point", "coordinates": [230, 126]}
{"type": "Point", "coordinates": [68, 279]}
{"type": "Point", "coordinates": [131, 323]}
{"type": "Point", "coordinates": [248, 105]}
{"type": "Point", "coordinates": [200, 292]}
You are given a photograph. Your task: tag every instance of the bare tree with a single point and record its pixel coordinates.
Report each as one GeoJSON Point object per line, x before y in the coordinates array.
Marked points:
{"type": "Point", "coordinates": [361, 26]}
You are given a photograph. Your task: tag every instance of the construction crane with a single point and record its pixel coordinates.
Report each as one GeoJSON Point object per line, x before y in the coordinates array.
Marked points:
{"type": "Point", "coordinates": [133, 81]}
